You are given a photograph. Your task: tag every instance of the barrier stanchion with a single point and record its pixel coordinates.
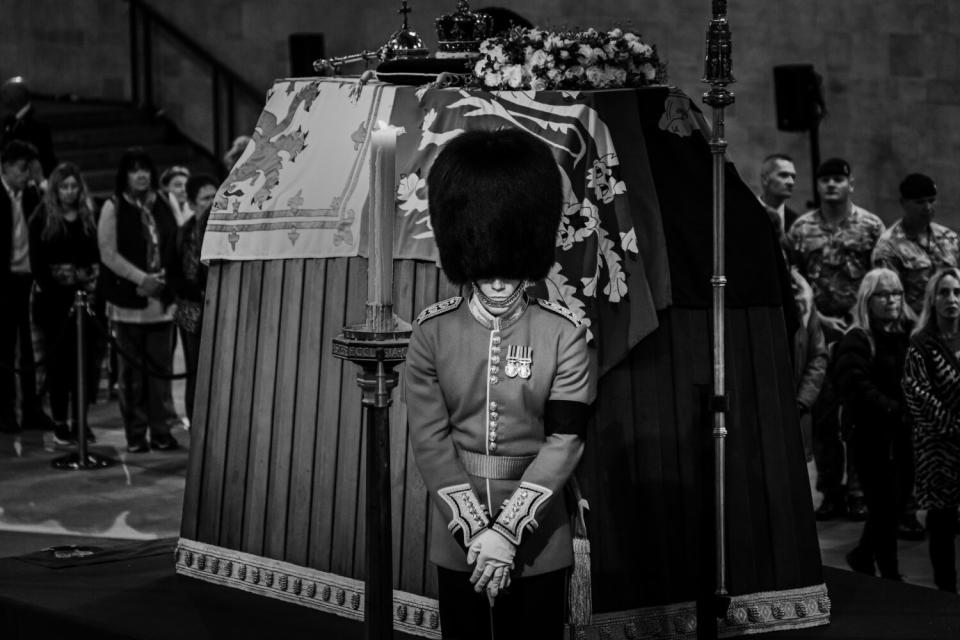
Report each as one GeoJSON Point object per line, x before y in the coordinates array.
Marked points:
{"type": "Point", "coordinates": [82, 459]}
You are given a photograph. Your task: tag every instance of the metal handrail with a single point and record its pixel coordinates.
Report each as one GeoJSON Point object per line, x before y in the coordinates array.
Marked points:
{"type": "Point", "coordinates": [143, 20]}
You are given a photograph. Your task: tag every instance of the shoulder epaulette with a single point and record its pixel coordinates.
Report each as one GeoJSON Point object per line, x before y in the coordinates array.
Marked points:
{"type": "Point", "coordinates": [439, 308]}
{"type": "Point", "coordinates": [560, 310]}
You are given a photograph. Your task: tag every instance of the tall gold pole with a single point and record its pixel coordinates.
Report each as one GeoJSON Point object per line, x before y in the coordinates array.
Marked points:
{"type": "Point", "coordinates": [717, 74]}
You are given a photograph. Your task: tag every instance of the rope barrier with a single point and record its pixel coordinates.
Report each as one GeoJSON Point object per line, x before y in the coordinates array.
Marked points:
{"type": "Point", "coordinates": [144, 363]}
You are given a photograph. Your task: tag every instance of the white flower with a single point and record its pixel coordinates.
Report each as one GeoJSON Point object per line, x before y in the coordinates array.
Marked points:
{"type": "Point", "coordinates": [630, 36]}
{"type": "Point", "coordinates": [588, 55]}
{"type": "Point", "coordinates": [513, 75]}
{"type": "Point", "coordinates": [595, 77]}
{"type": "Point", "coordinates": [615, 33]}
{"type": "Point", "coordinates": [538, 84]}
{"type": "Point", "coordinates": [535, 35]}
{"type": "Point", "coordinates": [617, 76]}
{"type": "Point", "coordinates": [551, 42]}
{"type": "Point", "coordinates": [480, 67]}
{"type": "Point", "coordinates": [496, 52]}
{"type": "Point", "coordinates": [648, 71]}
{"type": "Point", "coordinates": [492, 79]}
{"type": "Point", "coordinates": [564, 54]}
{"type": "Point", "coordinates": [576, 72]}
{"type": "Point", "coordinates": [538, 58]}
{"type": "Point", "coordinates": [554, 74]}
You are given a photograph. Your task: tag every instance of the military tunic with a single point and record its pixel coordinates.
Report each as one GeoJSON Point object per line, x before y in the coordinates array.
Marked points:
{"type": "Point", "coordinates": [916, 262]}
{"type": "Point", "coordinates": [835, 257]}
{"type": "Point", "coordinates": [496, 408]}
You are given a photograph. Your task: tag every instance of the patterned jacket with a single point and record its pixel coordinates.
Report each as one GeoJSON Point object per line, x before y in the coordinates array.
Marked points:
{"type": "Point", "coordinates": [914, 262]}
{"type": "Point", "coordinates": [834, 259]}
{"type": "Point", "coordinates": [496, 413]}
{"type": "Point", "coordinates": [931, 386]}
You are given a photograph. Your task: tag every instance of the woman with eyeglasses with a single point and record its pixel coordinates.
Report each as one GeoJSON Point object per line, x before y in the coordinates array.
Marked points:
{"type": "Point", "coordinates": [931, 385]}
{"type": "Point", "coordinates": [869, 367]}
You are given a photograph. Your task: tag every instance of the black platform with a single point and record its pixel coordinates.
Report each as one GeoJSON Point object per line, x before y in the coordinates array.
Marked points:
{"type": "Point", "coordinates": [131, 591]}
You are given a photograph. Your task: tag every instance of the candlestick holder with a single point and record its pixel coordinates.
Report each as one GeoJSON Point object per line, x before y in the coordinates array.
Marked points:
{"type": "Point", "coordinates": [377, 346]}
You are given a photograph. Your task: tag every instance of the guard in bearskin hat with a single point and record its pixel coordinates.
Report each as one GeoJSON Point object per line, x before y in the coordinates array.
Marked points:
{"type": "Point", "coordinates": [498, 387]}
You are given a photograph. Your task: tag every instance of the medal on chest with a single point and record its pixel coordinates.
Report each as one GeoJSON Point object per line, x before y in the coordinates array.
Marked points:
{"type": "Point", "coordinates": [519, 361]}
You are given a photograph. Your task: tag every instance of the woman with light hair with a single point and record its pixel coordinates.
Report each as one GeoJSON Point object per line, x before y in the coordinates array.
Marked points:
{"type": "Point", "coordinates": [931, 385]}
{"type": "Point", "coordinates": [64, 259]}
{"type": "Point", "coordinates": [869, 366]}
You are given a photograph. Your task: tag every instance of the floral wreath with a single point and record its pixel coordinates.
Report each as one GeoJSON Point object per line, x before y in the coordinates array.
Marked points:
{"type": "Point", "coordinates": [540, 60]}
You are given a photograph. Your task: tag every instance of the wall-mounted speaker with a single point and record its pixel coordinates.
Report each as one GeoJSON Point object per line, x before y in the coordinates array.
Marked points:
{"type": "Point", "coordinates": [799, 96]}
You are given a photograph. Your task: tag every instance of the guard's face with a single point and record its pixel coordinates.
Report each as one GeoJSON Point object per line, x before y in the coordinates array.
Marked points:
{"type": "Point", "coordinates": [919, 209]}
{"type": "Point", "coordinates": [781, 180]}
{"type": "Point", "coordinates": [834, 189]}
{"type": "Point", "coordinates": [16, 174]}
{"type": "Point", "coordinates": [68, 191]}
{"type": "Point", "coordinates": [498, 288]}
{"type": "Point", "coordinates": [947, 301]}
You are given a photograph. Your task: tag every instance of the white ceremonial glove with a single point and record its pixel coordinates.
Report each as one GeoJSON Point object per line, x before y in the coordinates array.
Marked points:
{"type": "Point", "coordinates": [491, 551]}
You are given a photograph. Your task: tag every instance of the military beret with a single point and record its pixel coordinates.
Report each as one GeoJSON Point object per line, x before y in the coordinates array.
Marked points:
{"type": "Point", "coordinates": [833, 167]}
{"type": "Point", "coordinates": [917, 185]}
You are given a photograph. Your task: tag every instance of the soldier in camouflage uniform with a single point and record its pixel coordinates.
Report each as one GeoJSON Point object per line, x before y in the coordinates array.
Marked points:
{"type": "Point", "coordinates": [832, 246]}
{"type": "Point", "coordinates": [915, 246]}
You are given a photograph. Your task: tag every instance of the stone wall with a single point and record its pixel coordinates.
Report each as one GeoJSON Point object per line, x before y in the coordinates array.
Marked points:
{"type": "Point", "coordinates": [891, 68]}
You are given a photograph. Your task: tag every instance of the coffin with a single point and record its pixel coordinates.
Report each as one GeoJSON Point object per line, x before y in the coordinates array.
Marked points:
{"type": "Point", "coordinates": [275, 492]}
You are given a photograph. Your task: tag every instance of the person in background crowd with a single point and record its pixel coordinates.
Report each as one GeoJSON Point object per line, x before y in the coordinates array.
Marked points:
{"type": "Point", "coordinates": [187, 276]}
{"type": "Point", "coordinates": [810, 357]}
{"type": "Point", "coordinates": [869, 367]}
{"type": "Point", "coordinates": [64, 259]}
{"type": "Point", "coordinates": [17, 200]}
{"type": "Point", "coordinates": [236, 150]}
{"type": "Point", "coordinates": [498, 389]}
{"type": "Point", "coordinates": [832, 246]}
{"type": "Point", "coordinates": [135, 229]}
{"type": "Point", "coordinates": [915, 246]}
{"type": "Point", "coordinates": [20, 123]}
{"type": "Point", "coordinates": [777, 179]}
{"type": "Point", "coordinates": [931, 386]}
{"type": "Point", "coordinates": [173, 186]}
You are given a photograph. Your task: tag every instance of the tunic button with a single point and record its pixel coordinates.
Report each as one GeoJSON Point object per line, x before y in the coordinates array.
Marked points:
{"type": "Point", "coordinates": [493, 436]}
{"type": "Point", "coordinates": [494, 350]}
{"type": "Point", "coordinates": [494, 415]}
{"type": "Point", "coordinates": [495, 359]}
{"type": "Point", "coordinates": [493, 380]}
{"type": "Point", "coordinates": [493, 446]}
{"type": "Point", "coordinates": [493, 406]}
{"type": "Point", "coordinates": [495, 340]}
{"type": "Point", "coordinates": [494, 368]}
{"type": "Point", "coordinates": [494, 424]}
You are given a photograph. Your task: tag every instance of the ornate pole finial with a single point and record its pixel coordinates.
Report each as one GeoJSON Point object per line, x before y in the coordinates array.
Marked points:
{"type": "Point", "coordinates": [718, 61]}
{"type": "Point", "coordinates": [404, 11]}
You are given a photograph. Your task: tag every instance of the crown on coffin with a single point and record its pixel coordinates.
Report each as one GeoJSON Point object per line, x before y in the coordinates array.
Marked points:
{"type": "Point", "coordinates": [460, 34]}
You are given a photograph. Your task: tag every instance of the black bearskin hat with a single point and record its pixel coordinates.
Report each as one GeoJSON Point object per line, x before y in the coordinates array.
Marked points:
{"type": "Point", "coordinates": [495, 203]}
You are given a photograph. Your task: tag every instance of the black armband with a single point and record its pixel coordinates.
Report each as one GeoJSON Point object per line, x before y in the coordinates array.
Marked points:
{"type": "Point", "coordinates": [566, 416]}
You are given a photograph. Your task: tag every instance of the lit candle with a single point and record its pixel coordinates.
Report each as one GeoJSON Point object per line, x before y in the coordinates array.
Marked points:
{"type": "Point", "coordinates": [382, 208]}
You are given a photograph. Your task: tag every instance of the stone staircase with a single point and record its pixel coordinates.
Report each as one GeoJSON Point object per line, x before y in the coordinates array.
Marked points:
{"type": "Point", "coordinates": [94, 135]}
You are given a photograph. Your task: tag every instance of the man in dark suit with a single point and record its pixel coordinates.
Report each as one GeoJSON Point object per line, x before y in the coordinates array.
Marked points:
{"type": "Point", "coordinates": [17, 201]}
{"type": "Point", "coordinates": [20, 123]}
{"type": "Point", "coordinates": [777, 179]}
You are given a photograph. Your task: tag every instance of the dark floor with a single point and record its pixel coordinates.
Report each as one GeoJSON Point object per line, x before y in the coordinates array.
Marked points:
{"type": "Point", "coordinates": [140, 497]}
